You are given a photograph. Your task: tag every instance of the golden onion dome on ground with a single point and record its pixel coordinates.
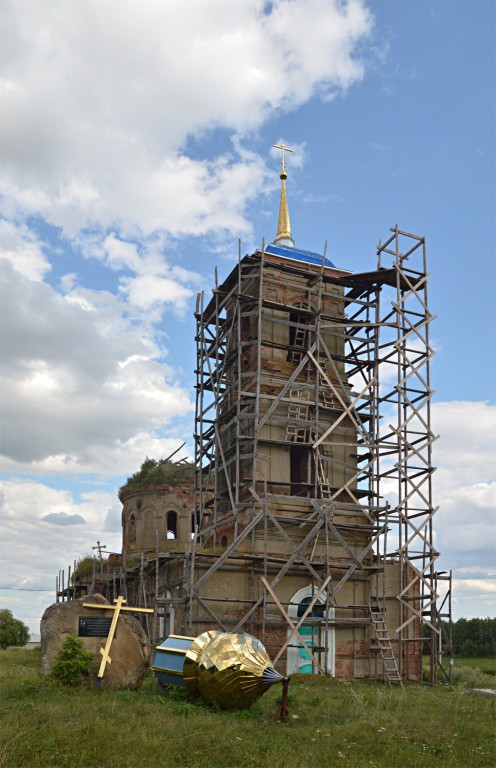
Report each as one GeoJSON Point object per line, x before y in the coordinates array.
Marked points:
{"type": "Point", "coordinates": [229, 670]}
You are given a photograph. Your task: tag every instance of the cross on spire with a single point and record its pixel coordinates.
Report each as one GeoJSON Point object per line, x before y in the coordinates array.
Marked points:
{"type": "Point", "coordinates": [284, 148]}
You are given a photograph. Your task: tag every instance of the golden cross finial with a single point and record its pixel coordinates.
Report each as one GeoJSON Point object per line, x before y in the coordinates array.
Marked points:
{"type": "Point", "coordinates": [284, 148]}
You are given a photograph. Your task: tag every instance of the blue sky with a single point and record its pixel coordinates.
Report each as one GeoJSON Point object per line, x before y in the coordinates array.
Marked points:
{"type": "Point", "coordinates": [137, 150]}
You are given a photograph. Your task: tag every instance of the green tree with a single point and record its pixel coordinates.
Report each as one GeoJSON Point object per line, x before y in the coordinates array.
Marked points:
{"type": "Point", "coordinates": [72, 663]}
{"type": "Point", "coordinates": [12, 631]}
{"type": "Point", "coordinates": [474, 637]}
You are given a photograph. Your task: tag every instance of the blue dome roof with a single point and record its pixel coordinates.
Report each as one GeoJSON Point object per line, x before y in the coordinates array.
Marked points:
{"type": "Point", "coordinates": [298, 255]}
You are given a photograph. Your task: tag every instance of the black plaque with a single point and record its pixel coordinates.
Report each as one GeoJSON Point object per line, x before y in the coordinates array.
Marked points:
{"type": "Point", "coordinates": [93, 627]}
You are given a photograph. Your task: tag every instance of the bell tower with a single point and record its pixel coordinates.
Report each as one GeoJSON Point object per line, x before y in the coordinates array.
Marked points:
{"type": "Point", "coordinates": [292, 457]}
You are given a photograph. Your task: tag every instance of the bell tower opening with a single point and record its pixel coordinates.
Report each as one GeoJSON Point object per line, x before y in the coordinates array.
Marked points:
{"type": "Point", "coordinates": [172, 525]}
{"type": "Point", "coordinates": [301, 470]}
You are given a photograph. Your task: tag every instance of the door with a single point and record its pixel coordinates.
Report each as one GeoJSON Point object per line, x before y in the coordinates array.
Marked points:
{"type": "Point", "coordinates": [311, 634]}
{"type": "Point", "coordinates": [299, 660]}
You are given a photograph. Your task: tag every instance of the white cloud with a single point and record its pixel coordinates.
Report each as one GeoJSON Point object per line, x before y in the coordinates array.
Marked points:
{"type": "Point", "coordinates": [121, 254]}
{"type": "Point", "coordinates": [62, 518]}
{"type": "Point", "coordinates": [473, 598]}
{"type": "Point", "coordinates": [81, 380]}
{"type": "Point", "coordinates": [22, 250]}
{"type": "Point", "coordinates": [465, 489]}
{"type": "Point", "coordinates": [154, 284]}
{"type": "Point", "coordinates": [34, 548]}
{"type": "Point", "coordinates": [466, 451]}
{"type": "Point", "coordinates": [147, 291]}
{"type": "Point", "coordinates": [99, 102]}
{"type": "Point", "coordinates": [476, 570]}
{"type": "Point", "coordinates": [475, 585]}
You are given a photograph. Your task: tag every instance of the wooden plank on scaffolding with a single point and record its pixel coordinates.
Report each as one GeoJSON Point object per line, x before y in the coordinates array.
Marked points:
{"type": "Point", "coordinates": [295, 628]}
{"type": "Point", "coordinates": [282, 572]}
{"type": "Point", "coordinates": [225, 555]}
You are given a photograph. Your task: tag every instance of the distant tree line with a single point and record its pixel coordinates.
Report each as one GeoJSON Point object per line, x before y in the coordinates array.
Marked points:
{"type": "Point", "coordinates": [471, 637]}
{"type": "Point", "coordinates": [474, 637]}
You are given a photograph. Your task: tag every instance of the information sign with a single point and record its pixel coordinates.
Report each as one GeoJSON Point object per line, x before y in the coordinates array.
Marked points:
{"type": "Point", "coordinates": [94, 627]}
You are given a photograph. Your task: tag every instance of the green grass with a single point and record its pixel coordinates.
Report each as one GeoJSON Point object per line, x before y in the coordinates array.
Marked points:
{"type": "Point", "coordinates": [330, 723]}
{"type": "Point", "coordinates": [486, 664]}
{"type": "Point", "coordinates": [468, 672]}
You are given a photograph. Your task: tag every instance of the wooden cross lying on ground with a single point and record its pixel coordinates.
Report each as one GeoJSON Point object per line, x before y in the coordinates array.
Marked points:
{"type": "Point", "coordinates": [116, 609]}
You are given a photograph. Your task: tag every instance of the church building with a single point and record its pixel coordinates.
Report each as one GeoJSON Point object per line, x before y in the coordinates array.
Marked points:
{"type": "Point", "coordinates": [309, 521]}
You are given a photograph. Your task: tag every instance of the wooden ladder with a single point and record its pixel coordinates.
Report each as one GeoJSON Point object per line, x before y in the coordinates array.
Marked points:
{"type": "Point", "coordinates": [325, 488]}
{"type": "Point", "coordinates": [298, 411]}
{"type": "Point", "coordinates": [391, 670]}
{"type": "Point", "coordinates": [298, 347]}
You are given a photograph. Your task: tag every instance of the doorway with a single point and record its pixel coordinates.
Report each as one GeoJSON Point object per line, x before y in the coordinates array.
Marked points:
{"type": "Point", "coordinates": [314, 634]}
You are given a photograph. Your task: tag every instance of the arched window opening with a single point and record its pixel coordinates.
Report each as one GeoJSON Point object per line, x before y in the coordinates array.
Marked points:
{"type": "Point", "coordinates": [132, 528]}
{"type": "Point", "coordinates": [172, 525]}
{"type": "Point", "coordinates": [317, 611]}
{"type": "Point", "coordinates": [223, 541]}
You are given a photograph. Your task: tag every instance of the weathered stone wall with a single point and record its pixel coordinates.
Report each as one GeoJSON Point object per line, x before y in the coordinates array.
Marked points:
{"type": "Point", "coordinates": [153, 515]}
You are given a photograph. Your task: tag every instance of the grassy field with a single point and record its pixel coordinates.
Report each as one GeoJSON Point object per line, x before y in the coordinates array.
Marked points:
{"type": "Point", "coordinates": [330, 723]}
{"type": "Point", "coordinates": [486, 664]}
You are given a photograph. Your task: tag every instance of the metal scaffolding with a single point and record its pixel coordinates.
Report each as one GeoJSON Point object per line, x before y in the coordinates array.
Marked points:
{"type": "Point", "coordinates": [406, 442]}
{"type": "Point", "coordinates": [313, 455]}
{"type": "Point", "coordinates": [352, 383]}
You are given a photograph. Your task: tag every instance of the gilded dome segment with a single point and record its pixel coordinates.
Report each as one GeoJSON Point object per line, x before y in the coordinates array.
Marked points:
{"type": "Point", "coordinates": [190, 669]}
{"type": "Point", "coordinates": [229, 670]}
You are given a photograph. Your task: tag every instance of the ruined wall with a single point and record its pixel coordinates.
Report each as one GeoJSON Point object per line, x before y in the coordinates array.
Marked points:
{"type": "Point", "coordinates": [162, 514]}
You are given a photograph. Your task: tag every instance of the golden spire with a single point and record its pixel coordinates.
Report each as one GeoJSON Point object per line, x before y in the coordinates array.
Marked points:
{"type": "Point", "coordinates": [283, 223]}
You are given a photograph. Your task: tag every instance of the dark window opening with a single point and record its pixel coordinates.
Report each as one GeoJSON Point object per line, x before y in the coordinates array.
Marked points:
{"type": "Point", "coordinates": [302, 470]}
{"type": "Point", "coordinates": [172, 525]}
{"type": "Point", "coordinates": [132, 528]}
{"type": "Point", "coordinates": [223, 541]}
{"type": "Point", "coordinates": [298, 469]}
{"type": "Point", "coordinates": [317, 610]}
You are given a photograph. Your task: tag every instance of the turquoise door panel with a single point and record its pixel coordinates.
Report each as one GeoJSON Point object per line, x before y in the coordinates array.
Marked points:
{"type": "Point", "coordinates": [311, 636]}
